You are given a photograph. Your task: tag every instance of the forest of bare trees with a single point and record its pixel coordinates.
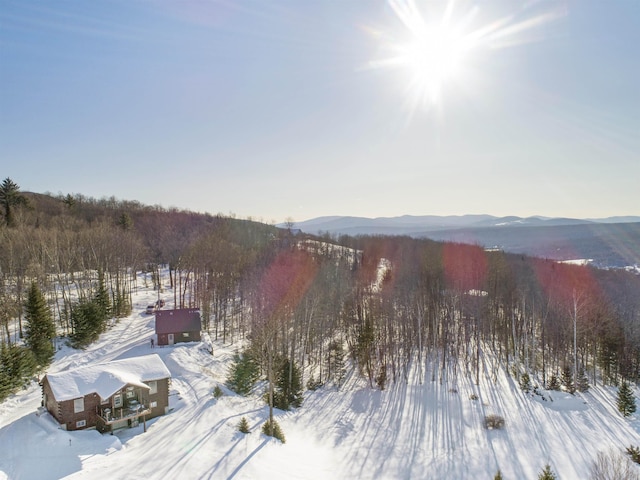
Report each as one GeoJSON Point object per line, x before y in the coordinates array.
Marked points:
{"type": "Point", "coordinates": [391, 303]}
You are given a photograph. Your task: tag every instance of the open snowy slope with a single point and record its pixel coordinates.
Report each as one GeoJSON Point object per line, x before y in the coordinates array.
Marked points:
{"type": "Point", "coordinates": [415, 429]}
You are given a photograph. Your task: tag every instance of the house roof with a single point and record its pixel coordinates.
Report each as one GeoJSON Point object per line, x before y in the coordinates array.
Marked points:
{"type": "Point", "coordinates": [180, 320]}
{"type": "Point", "coordinates": [107, 378]}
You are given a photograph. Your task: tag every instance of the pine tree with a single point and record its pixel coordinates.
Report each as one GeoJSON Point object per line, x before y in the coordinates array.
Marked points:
{"type": "Point", "coordinates": [525, 383]}
{"type": "Point", "coordinates": [10, 197]}
{"type": "Point", "coordinates": [121, 303]}
{"type": "Point", "coordinates": [17, 366]}
{"type": "Point", "coordinates": [567, 380]}
{"type": "Point", "coordinates": [243, 373]}
{"type": "Point", "coordinates": [101, 297]}
{"type": "Point", "coordinates": [217, 392]}
{"type": "Point", "coordinates": [634, 453]}
{"type": "Point", "coordinates": [498, 475]}
{"type": "Point", "coordinates": [583, 381]}
{"type": "Point", "coordinates": [547, 473]}
{"type": "Point", "coordinates": [626, 400]}
{"type": "Point", "coordinates": [87, 323]}
{"type": "Point", "coordinates": [243, 426]}
{"type": "Point", "coordinates": [335, 365]}
{"type": "Point", "coordinates": [40, 329]}
{"type": "Point", "coordinates": [273, 430]}
{"type": "Point", "coordinates": [288, 386]}
{"type": "Point", "coordinates": [554, 383]}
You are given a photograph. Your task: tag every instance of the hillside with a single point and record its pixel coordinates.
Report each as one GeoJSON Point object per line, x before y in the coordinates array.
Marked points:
{"type": "Point", "coordinates": [416, 428]}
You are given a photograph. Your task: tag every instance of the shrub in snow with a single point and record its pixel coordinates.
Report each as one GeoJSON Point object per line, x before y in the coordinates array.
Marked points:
{"type": "Point", "coordinates": [612, 466]}
{"type": "Point", "coordinates": [547, 473]}
{"type": "Point", "coordinates": [494, 422]}
{"type": "Point", "coordinates": [217, 392]}
{"type": "Point", "coordinates": [626, 400]}
{"type": "Point", "coordinates": [275, 431]}
{"type": "Point", "coordinates": [243, 426]}
{"type": "Point", "coordinates": [313, 384]}
{"type": "Point", "coordinates": [498, 475]}
{"type": "Point", "coordinates": [525, 383]}
{"type": "Point", "coordinates": [554, 383]}
{"type": "Point", "coordinates": [473, 396]}
{"type": "Point", "coordinates": [634, 453]}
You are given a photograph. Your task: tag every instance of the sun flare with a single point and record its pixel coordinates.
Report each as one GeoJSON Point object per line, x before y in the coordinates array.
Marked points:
{"type": "Point", "coordinates": [432, 59]}
{"type": "Point", "coordinates": [438, 48]}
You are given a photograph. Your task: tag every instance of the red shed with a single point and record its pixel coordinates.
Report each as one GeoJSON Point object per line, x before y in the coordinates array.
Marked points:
{"type": "Point", "coordinates": [176, 326]}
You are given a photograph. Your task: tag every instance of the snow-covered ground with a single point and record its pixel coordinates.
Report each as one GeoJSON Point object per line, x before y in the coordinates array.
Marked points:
{"type": "Point", "coordinates": [415, 429]}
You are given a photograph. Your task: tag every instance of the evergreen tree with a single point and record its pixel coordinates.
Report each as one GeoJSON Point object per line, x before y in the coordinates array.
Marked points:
{"type": "Point", "coordinates": [273, 430]}
{"type": "Point", "coordinates": [217, 392]}
{"type": "Point", "coordinates": [547, 473]}
{"type": "Point", "coordinates": [626, 400]}
{"type": "Point", "coordinates": [335, 365]}
{"type": "Point", "coordinates": [10, 197]}
{"type": "Point", "coordinates": [121, 303]}
{"type": "Point", "coordinates": [101, 297]}
{"type": "Point", "coordinates": [525, 382]}
{"type": "Point", "coordinates": [288, 386]}
{"type": "Point", "coordinates": [87, 323]}
{"type": "Point", "coordinates": [567, 380]}
{"type": "Point", "coordinates": [634, 453]}
{"type": "Point", "coordinates": [243, 426]}
{"type": "Point", "coordinates": [583, 381]}
{"type": "Point", "coordinates": [554, 383]}
{"type": "Point", "coordinates": [498, 475]}
{"type": "Point", "coordinates": [39, 328]}
{"type": "Point", "coordinates": [125, 222]}
{"type": "Point", "coordinates": [243, 373]}
{"type": "Point", "coordinates": [17, 366]}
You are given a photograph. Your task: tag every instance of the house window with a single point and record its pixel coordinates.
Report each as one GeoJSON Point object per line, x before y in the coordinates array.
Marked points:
{"type": "Point", "coordinates": [81, 423]}
{"type": "Point", "coordinates": [78, 405]}
{"type": "Point", "coordinates": [153, 404]}
{"type": "Point", "coordinates": [153, 387]}
{"type": "Point", "coordinates": [130, 393]}
{"type": "Point", "coordinates": [117, 401]}
{"type": "Point", "coordinates": [185, 334]}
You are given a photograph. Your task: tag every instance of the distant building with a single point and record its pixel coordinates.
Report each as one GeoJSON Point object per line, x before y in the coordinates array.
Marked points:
{"type": "Point", "coordinates": [177, 326]}
{"type": "Point", "coordinates": [108, 396]}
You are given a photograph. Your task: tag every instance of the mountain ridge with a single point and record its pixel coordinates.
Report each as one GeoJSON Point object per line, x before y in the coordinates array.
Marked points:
{"type": "Point", "coordinates": [606, 242]}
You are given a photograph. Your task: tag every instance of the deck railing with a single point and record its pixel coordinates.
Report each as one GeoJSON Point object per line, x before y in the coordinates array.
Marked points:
{"type": "Point", "coordinates": [110, 416]}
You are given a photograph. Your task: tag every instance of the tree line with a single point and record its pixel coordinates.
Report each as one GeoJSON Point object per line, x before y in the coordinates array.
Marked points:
{"type": "Point", "coordinates": [299, 303]}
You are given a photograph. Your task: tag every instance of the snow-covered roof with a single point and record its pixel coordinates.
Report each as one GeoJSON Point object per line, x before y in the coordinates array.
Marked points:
{"type": "Point", "coordinates": [107, 378]}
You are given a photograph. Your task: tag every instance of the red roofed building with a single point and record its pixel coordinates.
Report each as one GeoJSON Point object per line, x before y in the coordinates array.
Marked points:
{"type": "Point", "coordinates": [176, 326]}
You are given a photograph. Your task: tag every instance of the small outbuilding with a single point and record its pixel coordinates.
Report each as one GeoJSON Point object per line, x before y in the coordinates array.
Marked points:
{"type": "Point", "coordinates": [177, 326]}
{"type": "Point", "coordinates": [108, 396]}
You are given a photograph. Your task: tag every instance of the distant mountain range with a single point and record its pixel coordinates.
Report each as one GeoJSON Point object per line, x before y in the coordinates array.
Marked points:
{"type": "Point", "coordinates": [608, 242]}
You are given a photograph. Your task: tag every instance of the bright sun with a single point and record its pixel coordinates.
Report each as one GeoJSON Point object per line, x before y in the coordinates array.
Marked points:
{"type": "Point", "coordinates": [433, 58]}
{"type": "Point", "coordinates": [438, 48]}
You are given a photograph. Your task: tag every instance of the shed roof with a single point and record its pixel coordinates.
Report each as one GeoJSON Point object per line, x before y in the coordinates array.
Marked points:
{"type": "Point", "coordinates": [107, 378]}
{"type": "Point", "coordinates": [179, 320]}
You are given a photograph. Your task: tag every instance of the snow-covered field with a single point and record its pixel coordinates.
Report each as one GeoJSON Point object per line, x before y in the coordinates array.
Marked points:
{"type": "Point", "coordinates": [413, 430]}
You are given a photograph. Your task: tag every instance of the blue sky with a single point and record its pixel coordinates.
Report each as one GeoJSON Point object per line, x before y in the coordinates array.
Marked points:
{"type": "Point", "coordinates": [284, 108]}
